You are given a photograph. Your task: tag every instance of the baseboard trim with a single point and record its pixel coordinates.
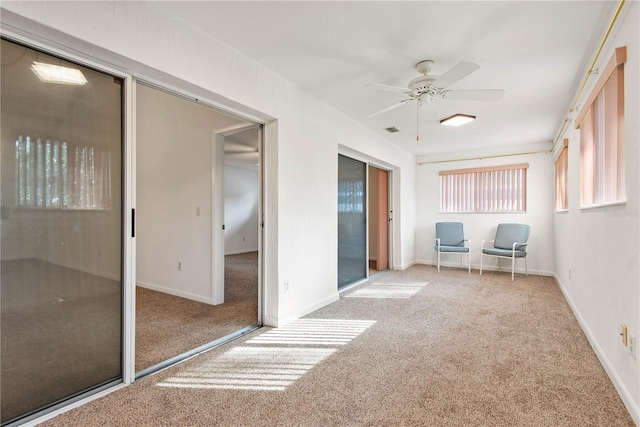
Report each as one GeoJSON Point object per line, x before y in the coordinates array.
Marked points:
{"type": "Point", "coordinates": [404, 266]}
{"type": "Point", "coordinates": [242, 251]}
{"type": "Point", "coordinates": [174, 292]}
{"type": "Point", "coordinates": [623, 391]}
{"type": "Point", "coordinates": [282, 321]}
{"type": "Point", "coordinates": [487, 268]}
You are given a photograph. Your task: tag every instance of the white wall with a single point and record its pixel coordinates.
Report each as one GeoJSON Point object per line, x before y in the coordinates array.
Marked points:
{"type": "Point", "coordinates": [174, 168]}
{"type": "Point", "coordinates": [597, 250]}
{"type": "Point", "coordinates": [241, 198]}
{"type": "Point", "coordinates": [303, 135]}
{"type": "Point", "coordinates": [482, 226]}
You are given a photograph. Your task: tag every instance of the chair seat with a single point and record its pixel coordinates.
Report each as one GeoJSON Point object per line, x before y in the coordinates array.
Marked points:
{"type": "Point", "coordinates": [459, 249]}
{"type": "Point", "coordinates": [504, 252]}
{"type": "Point", "coordinates": [450, 239]}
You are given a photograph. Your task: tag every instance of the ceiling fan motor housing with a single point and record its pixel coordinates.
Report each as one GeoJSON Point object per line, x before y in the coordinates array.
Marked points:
{"type": "Point", "coordinates": [423, 85]}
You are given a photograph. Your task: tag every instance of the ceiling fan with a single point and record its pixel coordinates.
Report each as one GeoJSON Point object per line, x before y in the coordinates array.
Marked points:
{"type": "Point", "coordinates": [428, 87]}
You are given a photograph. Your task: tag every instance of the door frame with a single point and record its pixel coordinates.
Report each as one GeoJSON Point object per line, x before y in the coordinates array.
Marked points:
{"type": "Point", "coordinates": [217, 212]}
{"type": "Point", "coordinates": [392, 196]}
{"type": "Point", "coordinates": [390, 209]}
{"type": "Point", "coordinates": [380, 215]}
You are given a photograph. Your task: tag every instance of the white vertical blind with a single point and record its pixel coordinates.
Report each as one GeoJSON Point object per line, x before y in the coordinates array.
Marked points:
{"type": "Point", "coordinates": [561, 169]}
{"type": "Point", "coordinates": [601, 137]}
{"type": "Point", "coordinates": [499, 189]}
{"type": "Point", "coordinates": [57, 175]}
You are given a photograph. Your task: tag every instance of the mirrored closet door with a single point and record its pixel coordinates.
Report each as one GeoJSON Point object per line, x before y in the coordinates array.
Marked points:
{"type": "Point", "coordinates": [61, 228]}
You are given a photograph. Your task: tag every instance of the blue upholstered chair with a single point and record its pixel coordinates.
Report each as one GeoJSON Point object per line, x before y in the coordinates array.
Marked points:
{"type": "Point", "coordinates": [450, 239]}
{"type": "Point", "coordinates": [510, 242]}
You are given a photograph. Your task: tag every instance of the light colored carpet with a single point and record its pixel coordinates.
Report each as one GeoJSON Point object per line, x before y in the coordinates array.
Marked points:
{"type": "Point", "coordinates": [464, 350]}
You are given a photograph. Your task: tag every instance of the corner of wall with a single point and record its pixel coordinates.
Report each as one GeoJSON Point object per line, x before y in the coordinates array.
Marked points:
{"type": "Point", "coordinates": [278, 322]}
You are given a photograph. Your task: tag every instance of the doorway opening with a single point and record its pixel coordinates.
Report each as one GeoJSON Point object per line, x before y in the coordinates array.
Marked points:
{"type": "Point", "coordinates": [364, 221]}
{"type": "Point", "coordinates": [379, 215]}
{"type": "Point", "coordinates": [189, 296]}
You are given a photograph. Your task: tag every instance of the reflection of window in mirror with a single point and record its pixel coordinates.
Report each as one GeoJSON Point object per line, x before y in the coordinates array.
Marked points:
{"type": "Point", "coordinates": [61, 175]}
{"type": "Point", "coordinates": [61, 134]}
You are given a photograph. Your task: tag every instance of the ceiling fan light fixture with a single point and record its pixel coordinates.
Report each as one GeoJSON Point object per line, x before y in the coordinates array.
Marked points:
{"type": "Point", "coordinates": [457, 120]}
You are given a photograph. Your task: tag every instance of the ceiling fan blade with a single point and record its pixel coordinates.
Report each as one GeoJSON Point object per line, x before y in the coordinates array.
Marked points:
{"type": "Point", "coordinates": [474, 94]}
{"type": "Point", "coordinates": [457, 72]}
{"type": "Point", "coordinates": [390, 107]}
{"type": "Point", "coordinates": [389, 87]}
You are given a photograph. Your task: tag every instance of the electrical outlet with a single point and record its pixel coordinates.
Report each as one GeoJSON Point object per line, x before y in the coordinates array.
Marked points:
{"type": "Point", "coordinates": [632, 346]}
{"type": "Point", "coordinates": [286, 286]}
{"type": "Point", "coordinates": [179, 266]}
{"type": "Point", "coordinates": [198, 211]}
{"type": "Point", "coordinates": [623, 334]}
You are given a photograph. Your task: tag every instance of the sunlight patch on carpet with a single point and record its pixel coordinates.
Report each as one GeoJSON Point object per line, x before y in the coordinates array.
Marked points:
{"type": "Point", "coordinates": [251, 368]}
{"type": "Point", "coordinates": [314, 332]}
{"type": "Point", "coordinates": [387, 290]}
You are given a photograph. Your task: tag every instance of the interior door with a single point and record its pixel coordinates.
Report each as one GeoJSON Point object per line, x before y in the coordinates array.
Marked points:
{"type": "Point", "coordinates": [61, 227]}
{"type": "Point", "coordinates": [382, 223]}
{"type": "Point", "coordinates": [193, 206]}
{"type": "Point", "coordinates": [352, 221]}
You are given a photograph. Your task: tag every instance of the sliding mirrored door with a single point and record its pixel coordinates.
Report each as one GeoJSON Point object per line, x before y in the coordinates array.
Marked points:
{"type": "Point", "coordinates": [61, 228]}
{"type": "Point", "coordinates": [197, 200]}
{"type": "Point", "coordinates": [352, 221]}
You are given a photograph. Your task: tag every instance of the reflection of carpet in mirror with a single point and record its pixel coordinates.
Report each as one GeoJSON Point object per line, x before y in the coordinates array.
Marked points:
{"type": "Point", "coordinates": [60, 333]}
{"type": "Point", "coordinates": [167, 325]}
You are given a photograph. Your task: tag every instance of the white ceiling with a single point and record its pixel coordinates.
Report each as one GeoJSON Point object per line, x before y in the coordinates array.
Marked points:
{"type": "Point", "coordinates": [538, 52]}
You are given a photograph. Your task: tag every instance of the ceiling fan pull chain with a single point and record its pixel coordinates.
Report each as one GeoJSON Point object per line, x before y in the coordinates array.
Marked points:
{"type": "Point", "coordinates": [418, 121]}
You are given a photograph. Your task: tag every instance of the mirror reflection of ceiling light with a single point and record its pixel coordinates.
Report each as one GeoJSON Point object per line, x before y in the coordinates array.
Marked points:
{"type": "Point", "coordinates": [457, 120]}
{"type": "Point", "coordinates": [50, 73]}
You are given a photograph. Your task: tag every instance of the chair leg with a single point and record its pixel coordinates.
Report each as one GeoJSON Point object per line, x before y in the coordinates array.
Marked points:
{"type": "Point", "coordinates": [526, 270]}
{"type": "Point", "coordinates": [513, 267]}
{"type": "Point", "coordinates": [438, 261]}
{"type": "Point", "coordinates": [469, 260]}
{"type": "Point", "coordinates": [480, 263]}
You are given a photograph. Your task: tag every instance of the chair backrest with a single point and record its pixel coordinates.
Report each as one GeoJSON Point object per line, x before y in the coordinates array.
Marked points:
{"type": "Point", "coordinates": [450, 233]}
{"type": "Point", "coordinates": [507, 234]}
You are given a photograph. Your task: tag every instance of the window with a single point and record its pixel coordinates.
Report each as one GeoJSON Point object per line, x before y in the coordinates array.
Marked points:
{"type": "Point", "coordinates": [601, 137]}
{"type": "Point", "coordinates": [493, 189]}
{"type": "Point", "coordinates": [562, 165]}
{"type": "Point", "coordinates": [58, 175]}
